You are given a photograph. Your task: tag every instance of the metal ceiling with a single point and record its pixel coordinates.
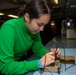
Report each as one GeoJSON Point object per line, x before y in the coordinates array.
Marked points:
{"type": "Point", "coordinates": [9, 4]}
{"type": "Point", "coordinates": [12, 6]}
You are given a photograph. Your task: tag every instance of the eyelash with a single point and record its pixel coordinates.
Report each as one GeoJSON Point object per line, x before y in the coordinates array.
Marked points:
{"type": "Point", "coordinates": [40, 24]}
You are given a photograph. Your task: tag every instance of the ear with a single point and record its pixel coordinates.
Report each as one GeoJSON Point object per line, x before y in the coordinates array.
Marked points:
{"type": "Point", "coordinates": [27, 18]}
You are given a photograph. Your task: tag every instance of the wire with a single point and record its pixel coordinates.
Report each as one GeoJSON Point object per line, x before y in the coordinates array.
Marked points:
{"type": "Point", "coordinates": [64, 56]}
{"type": "Point", "coordinates": [45, 61]}
{"type": "Point", "coordinates": [55, 59]}
{"type": "Point", "coordinates": [70, 66]}
{"type": "Point", "coordinates": [60, 61]}
{"type": "Point", "coordinates": [65, 60]}
{"type": "Point", "coordinates": [49, 71]}
{"type": "Point", "coordinates": [45, 64]}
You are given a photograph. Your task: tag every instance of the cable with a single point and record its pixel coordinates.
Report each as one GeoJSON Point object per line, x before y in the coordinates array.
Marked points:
{"type": "Point", "coordinates": [55, 59]}
{"type": "Point", "coordinates": [70, 66]}
{"type": "Point", "coordinates": [48, 71]}
{"type": "Point", "coordinates": [44, 65]}
{"type": "Point", "coordinates": [59, 69]}
{"type": "Point", "coordinates": [64, 56]}
{"type": "Point", "coordinates": [60, 61]}
{"type": "Point", "coordinates": [65, 60]}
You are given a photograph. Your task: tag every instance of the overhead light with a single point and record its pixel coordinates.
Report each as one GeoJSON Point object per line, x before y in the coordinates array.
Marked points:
{"type": "Point", "coordinates": [1, 14]}
{"type": "Point", "coordinates": [53, 26]}
{"type": "Point", "coordinates": [52, 23]}
{"type": "Point", "coordinates": [56, 1]}
{"type": "Point", "coordinates": [13, 16]}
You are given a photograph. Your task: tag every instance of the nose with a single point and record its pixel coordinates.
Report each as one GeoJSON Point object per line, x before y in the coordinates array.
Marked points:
{"type": "Point", "coordinates": [41, 28]}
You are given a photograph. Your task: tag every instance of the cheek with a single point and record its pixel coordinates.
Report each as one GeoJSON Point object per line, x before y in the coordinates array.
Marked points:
{"type": "Point", "coordinates": [34, 26]}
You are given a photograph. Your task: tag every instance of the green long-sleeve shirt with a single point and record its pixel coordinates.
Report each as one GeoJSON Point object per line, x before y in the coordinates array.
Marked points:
{"type": "Point", "coordinates": [15, 40]}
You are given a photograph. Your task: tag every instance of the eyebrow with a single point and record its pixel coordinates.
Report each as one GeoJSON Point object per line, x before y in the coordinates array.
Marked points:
{"type": "Point", "coordinates": [41, 23]}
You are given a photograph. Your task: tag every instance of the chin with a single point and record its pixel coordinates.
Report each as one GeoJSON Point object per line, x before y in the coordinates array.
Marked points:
{"type": "Point", "coordinates": [34, 32]}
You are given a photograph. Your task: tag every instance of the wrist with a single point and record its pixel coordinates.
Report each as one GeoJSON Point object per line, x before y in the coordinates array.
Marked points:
{"type": "Point", "coordinates": [40, 64]}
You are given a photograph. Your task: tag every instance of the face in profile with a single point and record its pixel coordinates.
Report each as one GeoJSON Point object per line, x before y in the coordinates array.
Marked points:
{"type": "Point", "coordinates": [37, 25]}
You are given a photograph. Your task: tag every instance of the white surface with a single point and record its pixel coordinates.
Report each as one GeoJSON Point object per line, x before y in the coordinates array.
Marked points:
{"type": "Point", "coordinates": [70, 71]}
{"type": "Point", "coordinates": [44, 73]}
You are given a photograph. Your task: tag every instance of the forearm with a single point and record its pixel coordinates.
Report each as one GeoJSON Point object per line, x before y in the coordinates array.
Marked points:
{"type": "Point", "coordinates": [40, 52]}
{"type": "Point", "coordinates": [16, 68]}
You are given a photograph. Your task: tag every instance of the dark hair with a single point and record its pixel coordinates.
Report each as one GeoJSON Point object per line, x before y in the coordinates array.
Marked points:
{"type": "Point", "coordinates": [35, 8]}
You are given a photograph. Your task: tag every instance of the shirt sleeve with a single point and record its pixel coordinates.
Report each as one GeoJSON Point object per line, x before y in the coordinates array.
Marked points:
{"type": "Point", "coordinates": [38, 47]}
{"type": "Point", "coordinates": [8, 65]}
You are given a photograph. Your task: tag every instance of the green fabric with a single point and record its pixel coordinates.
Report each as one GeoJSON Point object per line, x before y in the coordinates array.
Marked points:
{"type": "Point", "coordinates": [15, 40]}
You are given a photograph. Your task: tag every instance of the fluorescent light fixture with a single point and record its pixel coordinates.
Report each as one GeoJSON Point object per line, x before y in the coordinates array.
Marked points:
{"type": "Point", "coordinates": [56, 1]}
{"type": "Point", "coordinates": [52, 23]}
{"type": "Point", "coordinates": [1, 14]}
{"type": "Point", "coordinates": [13, 16]}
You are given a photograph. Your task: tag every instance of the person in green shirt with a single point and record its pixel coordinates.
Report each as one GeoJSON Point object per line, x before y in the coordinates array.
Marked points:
{"type": "Point", "coordinates": [18, 35]}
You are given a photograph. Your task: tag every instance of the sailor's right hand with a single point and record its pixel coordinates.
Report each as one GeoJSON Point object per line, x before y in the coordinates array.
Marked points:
{"type": "Point", "coordinates": [48, 59]}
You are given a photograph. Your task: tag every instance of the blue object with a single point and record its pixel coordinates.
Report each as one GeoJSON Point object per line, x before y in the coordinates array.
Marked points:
{"type": "Point", "coordinates": [40, 64]}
